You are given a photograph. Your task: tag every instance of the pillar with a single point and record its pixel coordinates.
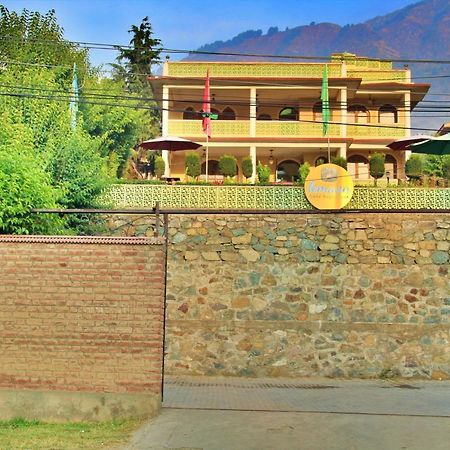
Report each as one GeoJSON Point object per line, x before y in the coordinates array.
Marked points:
{"type": "Point", "coordinates": [253, 156]}
{"type": "Point", "coordinates": [165, 128]}
{"type": "Point", "coordinates": [253, 112]}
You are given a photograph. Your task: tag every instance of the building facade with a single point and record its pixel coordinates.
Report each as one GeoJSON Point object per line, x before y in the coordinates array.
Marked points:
{"type": "Point", "coordinates": [272, 112]}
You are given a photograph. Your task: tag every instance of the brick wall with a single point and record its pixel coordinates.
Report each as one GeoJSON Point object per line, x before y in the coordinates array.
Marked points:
{"type": "Point", "coordinates": [82, 314]}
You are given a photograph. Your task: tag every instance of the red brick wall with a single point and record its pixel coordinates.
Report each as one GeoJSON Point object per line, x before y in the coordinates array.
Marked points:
{"type": "Point", "coordinates": [81, 314]}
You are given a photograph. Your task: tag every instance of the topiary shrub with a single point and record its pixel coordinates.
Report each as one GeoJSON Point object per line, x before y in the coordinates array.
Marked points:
{"type": "Point", "coordinates": [263, 172]}
{"type": "Point", "coordinates": [339, 161]}
{"type": "Point", "coordinates": [192, 164]}
{"type": "Point", "coordinates": [160, 166]}
{"type": "Point", "coordinates": [228, 166]}
{"type": "Point", "coordinates": [446, 168]}
{"type": "Point", "coordinates": [247, 167]}
{"type": "Point", "coordinates": [376, 166]}
{"type": "Point", "coordinates": [414, 168]}
{"type": "Point", "coordinates": [303, 172]}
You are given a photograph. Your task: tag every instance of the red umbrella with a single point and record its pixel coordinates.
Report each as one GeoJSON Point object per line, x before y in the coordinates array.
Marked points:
{"type": "Point", "coordinates": [171, 143]}
{"type": "Point", "coordinates": [405, 143]}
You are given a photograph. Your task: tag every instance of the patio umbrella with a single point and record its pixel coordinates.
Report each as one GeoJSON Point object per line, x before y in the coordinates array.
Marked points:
{"type": "Point", "coordinates": [436, 145]}
{"type": "Point", "coordinates": [405, 143]}
{"type": "Point", "coordinates": [171, 143]}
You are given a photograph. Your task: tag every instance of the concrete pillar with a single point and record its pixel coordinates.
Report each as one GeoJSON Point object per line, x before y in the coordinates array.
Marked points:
{"type": "Point", "coordinates": [342, 99]}
{"type": "Point", "coordinates": [253, 112]}
{"type": "Point", "coordinates": [407, 120]}
{"type": "Point", "coordinates": [253, 156]}
{"type": "Point", "coordinates": [165, 127]}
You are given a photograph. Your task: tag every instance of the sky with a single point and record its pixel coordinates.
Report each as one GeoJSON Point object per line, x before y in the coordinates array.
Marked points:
{"type": "Point", "coordinates": [188, 24]}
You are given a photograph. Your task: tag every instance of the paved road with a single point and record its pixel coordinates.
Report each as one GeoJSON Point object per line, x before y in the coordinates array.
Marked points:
{"type": "Point", "coordinates": [284, 414]}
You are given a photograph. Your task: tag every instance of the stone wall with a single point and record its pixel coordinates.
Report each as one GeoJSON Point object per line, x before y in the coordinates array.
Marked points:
{"type": "Point", "coordinates": [348, 295]}
{"type": "Point", "coordinates": [80, 327]}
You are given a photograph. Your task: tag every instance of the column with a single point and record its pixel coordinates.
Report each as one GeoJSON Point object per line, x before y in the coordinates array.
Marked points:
{"type": "Point", "coordinates": [165, 128]}
{"type": "Point", "coordinates": [253, 112]}
{"type": "Point", "coordinates": [253, 156]}
{"type": "Point", "coordinates": [342, 99]}
{"type": "Point", "coordinates": [407, 120]}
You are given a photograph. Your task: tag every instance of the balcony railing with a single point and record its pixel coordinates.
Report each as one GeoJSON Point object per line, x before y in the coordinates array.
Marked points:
{"type": "Point", "coordinates": [378, 131]}
{"type": "Point", "coordinates": [220, 128]}
{"type": "Point", "coordinates": [293, 129]}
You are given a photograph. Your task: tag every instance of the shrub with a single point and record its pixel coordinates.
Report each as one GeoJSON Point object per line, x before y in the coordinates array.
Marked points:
{"type": "Point", "coordinates": [228, 166]}
{"type": "Point", "coordinates": [446, 167]}
{"type": "Point", "coordinates": [376, 165]}
{"type": "Point", "coordinates": [339, 161]}
{"type": "Point", "coordinates": [303, 172]}
{"type": "Point", "coordinates": [160, 166]}
{"type": "Point", "coordinates": [247, 167]}
{"type": "Point", "coordinates": [414, 167]}
{"type": "Point", "coordinates": [193, 165]}
{"type": "Point", "coordinates": [263, 172]}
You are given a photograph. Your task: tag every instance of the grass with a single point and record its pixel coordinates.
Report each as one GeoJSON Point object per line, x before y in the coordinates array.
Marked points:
{"type": "Point", "coordinates": [21, 434]}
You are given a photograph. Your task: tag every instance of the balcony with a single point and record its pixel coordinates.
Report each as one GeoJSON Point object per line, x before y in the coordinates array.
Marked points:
{"type": "Point", "coordinates": [294, 129]}
{"type": "Point", "coordinates": [220, 128]}
{"type": "Point", "coordinates": [372, 131]}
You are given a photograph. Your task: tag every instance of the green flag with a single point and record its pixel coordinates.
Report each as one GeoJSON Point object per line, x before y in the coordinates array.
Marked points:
{"type": "Point", "coordinates": [325, 101]}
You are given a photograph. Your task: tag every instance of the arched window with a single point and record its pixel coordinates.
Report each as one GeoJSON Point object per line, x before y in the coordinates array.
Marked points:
{"type": "Point", "coordinates": [189, 114]}
{"type": "Point", "coordinates": [388, 114]}
{"type": "Point", "coordinates": [317, 112]}
{"type": "Point", "coordinates": [358, 167]}
{"type": "Point", "coordinates": [264, 117]}
{"type": "Point", "coordinates": [228, 114]}
{"type": "Point", "coordinates": [213, 167]}
{"type": "Point", "coordinates": [320, 160]}
{"type": "Point", "coordinates": [287, 171]}
{"type": "Point", "coordinates": [358, 114]}
{"type": "Point", "coordinates": [390, 164]}
{"type": "Point", "coordinates": [288, 113]}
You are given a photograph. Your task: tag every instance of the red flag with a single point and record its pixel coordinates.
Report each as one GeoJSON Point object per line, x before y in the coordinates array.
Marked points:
{"type": "Point", "coordinates": [206, 107]}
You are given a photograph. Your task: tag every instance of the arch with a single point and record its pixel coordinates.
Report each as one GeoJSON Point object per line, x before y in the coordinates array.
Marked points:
{"type": "Point", "coordinates": [287, 170]}
{"type": "Point", "coordinates": [358, 167]}
{"type": "Point", "coordinates": [189, 114]}
{"type": "Point", "coordinates": [358, 114]}
{"type": "Point", "coordinates": [213, 167]}
{"type": "Point", "coordinates": [228, 114]}
{"type": "Point", "coordinates": [264, 116]}
{"type": "Point", "coordinates": [387, 114]}
{"type": "Point", "coordinates": [320, 160]}
{"type": "Point", "coordinates": [391, 166]}
{"type": "Point", "coordinates": [288, 113]}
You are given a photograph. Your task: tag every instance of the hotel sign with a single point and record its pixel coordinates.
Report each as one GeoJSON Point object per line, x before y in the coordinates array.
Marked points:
{"type": "Point", "coordinates": [328, 187]}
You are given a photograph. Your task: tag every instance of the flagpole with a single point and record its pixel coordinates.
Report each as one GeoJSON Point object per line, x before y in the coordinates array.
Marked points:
{"type": "Point", "coordinates": [207, 145]}
{"type": "Point", "coordinates": [329, 151]}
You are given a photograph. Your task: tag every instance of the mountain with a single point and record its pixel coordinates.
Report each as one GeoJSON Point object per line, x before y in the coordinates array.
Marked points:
{"type": "Point", "coordinates": [418, 31]}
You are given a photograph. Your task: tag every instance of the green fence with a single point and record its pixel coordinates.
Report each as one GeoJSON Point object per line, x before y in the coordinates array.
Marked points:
{"type": "Point", "coordinates": [267, 197]}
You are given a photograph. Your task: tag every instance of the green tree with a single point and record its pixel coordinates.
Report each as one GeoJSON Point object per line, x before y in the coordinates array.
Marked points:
{"type": "Point", "coordinates": [160, 166]}
{"type": "Point", "coordinates": [339, 161]}
{"type": "Point", "coordinates": [303, 172]}
{"type": "Point", "coordinates": [376, 166]}
{"type": "Point", "coordinates": [414, 167]}
{"type": "Point", "coordinates": [193, 165]}
{"type": "Point", "coordinates": [446, 167]}
{"type": "Point", "coordinates": [228, 166]}
{"type": "Point", "coordinates": [247, 166]}
{"type": "Point", "coordinates": [263, 173]}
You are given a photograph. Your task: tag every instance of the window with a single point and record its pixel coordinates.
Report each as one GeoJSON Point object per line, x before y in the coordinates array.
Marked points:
{"type": "Point", "coordinates": [288, 113]}
{"type": "Point", "coordinates": [228, 114]}
{"type": "Point", "coordinates": [287, 171]}
{"type": "Point", "coordinates": [358, 114]}
{"type": "Point", "coordinates": [264, 117]}
{"type": "Point", "coordinates": [320, 160]}
{"type": "Point", "coordinates": [387, 114]}
{"type": "Point", "coordinates": [358, 167]}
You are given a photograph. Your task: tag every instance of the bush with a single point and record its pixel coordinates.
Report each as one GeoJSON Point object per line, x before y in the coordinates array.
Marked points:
{"type": "Point", "coordinates": [446, 167]}
{"type": "Point", "coordinates": [339, 161]}
{"type": "Point", "coordinates": [192, 165]}
{"type": "Point", "coordinates": [263, 172]}
{"type": "Point", "coordinates": [228, 166]}
{"type": "Point", "coordinates": [376, 165]}
{"type": "Point", "coordinates": [247, 167]}
{"type": "Point", "coordinates": [303, 172]}
{"type": "Point", "coordinates": [160, 166]}
{"type": "Point", "coordinates": [414, 167]}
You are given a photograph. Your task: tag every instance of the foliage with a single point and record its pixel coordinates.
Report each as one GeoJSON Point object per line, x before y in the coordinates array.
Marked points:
{"type": "Point", "coordinates": [228, 166]}
{"type": "Point", "coordinates": [432, 165]}
{"type": "Point", "coordinates": [160, 166]}
{"type": "Point", "coordinates": [193, 165]}
{"type": "Point", "coordinates": [303, 172]}
{"type": "Point", "coordinates": [414, 167]}
{"type": "Point", "coordinates": [263, 172]}
{"type": "Point", "coordinates": [247, 167]}
{"type": "Point", "coordinates": [376, 166]}
{"type": "Point", "coordinates": [446, 167]}
{"type": "Point", "coordinates": [339, 161]}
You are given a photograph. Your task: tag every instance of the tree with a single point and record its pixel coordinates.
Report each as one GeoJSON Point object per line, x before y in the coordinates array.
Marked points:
{"type": "Point", "coordinates": [446, 167]}
{"type": "Point", "coordinates": [247, 167]}
{"type": "Point", "coordinates": [160, 166]}
{"type": "Point", "coordinates": [339, 161]}
{"type": "Point", "coordinates": [414, 167]}
{"type": "Point", "coordinates": [228, 166]}
{"type": "Point", "coordinates": [376, 166]}
{"type": "Point", "coordinates": [303, 172]}
{"type": "Point", "coordinates": [193, 165]}
{"type": "Point", "coordinates": [263, 172]}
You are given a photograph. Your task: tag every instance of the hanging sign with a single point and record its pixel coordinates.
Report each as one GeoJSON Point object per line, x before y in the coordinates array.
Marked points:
{"type": "Point", "coordinates": [328, 186]}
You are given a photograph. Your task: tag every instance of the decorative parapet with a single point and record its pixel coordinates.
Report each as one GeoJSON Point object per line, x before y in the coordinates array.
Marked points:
{"type": "Point", "coordinates": [274, 128]}
{"type": "Point", "coordinates": [221, 128]}
{"type": "Point", "coordinates": [379, 75]}
{"type": "Point", "coordinates": [382, 131]}
{"type": "Point", "coordinates": [267, 197]}
{"type": "Point", "coordinates": [257, 70]}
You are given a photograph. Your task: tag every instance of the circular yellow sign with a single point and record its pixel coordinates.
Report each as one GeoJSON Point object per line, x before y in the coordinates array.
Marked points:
{"type": "Point", "coordinates": [328, 186]}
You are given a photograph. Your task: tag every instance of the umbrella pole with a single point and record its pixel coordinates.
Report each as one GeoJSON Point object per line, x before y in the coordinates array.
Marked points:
{"type": "Point", "coordinates": [206, 169]}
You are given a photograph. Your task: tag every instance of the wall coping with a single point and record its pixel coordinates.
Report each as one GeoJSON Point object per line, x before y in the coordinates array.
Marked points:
{"type": "Point", "coordinates": [108, 240]}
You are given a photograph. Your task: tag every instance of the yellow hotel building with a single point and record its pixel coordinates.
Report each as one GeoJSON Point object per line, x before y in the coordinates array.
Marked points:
{"type": "Point", "coordinates": [272, 112]}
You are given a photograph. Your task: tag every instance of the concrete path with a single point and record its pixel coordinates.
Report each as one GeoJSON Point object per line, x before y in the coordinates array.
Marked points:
{"type": "Point", "coordinates": [280, 414]}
